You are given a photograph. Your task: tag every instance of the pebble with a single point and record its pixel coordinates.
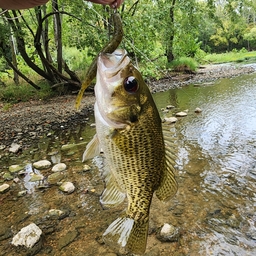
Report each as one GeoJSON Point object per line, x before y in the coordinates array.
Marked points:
{"type": "Point", "coordinates": [55, 212]}
{"type": "Point", "coordinates": [4, 188]}
{"type": "Point", "coordinates": [42, 164]}
{"type": "Point", "coordinates": [7, 176]}
{"type": "Point", "coordinates": [59, 167]}
{"type": "Point", "coordinates": [36, 177]}
{"type": "Point", "coordinates": [27, 236]}
{"type": "Point", "coordinates": [168, 233]}
{"type": "Point", "coordinates": [15, 168]}
{"type": "Point", "coordinates": [198, 110]}
{"type": "Point", "coordinates": [181, 114]}
{"type": "Point", "coordinates": [86, 168]}
{"type": "Point", "coordinates": [67, 187]}
{"type": "Point", "coordinates": [170, 119]}
{"type": "Point", "coordinates": [14, 148]}
{"type": "Point", "coordinates": [169, 107]}
{"type": "Point", "coordinates": [22, 193]}
{"type": "Point", "coordinates": [54, 178]}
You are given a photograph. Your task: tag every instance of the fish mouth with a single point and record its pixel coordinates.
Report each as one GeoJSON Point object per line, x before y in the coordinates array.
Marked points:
{"type": "Point", "coordinates": [112, 63]}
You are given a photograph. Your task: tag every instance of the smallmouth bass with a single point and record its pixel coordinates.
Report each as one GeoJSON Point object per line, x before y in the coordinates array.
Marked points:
{"type": "Point", "coordinates": [137, 161]}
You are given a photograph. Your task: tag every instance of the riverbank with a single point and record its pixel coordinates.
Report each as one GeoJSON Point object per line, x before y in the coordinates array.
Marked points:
{"type": "Point", "coordinates": [26, 122]}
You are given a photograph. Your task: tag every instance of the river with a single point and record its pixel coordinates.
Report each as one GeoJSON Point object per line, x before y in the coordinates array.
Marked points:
{"type": "Point", "coordinates": [214, 208]}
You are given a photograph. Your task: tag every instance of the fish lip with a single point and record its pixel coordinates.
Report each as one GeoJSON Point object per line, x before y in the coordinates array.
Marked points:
{"type": "Point", "coordinates": [112, 63]}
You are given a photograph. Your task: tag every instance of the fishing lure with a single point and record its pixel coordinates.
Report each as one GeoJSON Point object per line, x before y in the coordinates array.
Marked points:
{"type": "Point", "coordinates": [109, 48]}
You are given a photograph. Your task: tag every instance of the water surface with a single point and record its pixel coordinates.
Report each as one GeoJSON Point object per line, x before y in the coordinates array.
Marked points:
{"type": "Point", "coordinates": [216, 171]}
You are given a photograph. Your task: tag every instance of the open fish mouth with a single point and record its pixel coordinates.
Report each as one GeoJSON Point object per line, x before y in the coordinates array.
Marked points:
{"type": "Point", "coordinates": [112, 63]}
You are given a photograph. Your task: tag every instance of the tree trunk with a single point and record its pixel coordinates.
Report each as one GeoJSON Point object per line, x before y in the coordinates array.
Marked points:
{"type": "Point", "coordinates": [169, 49]}
{"type": "Point", "coordinates": [57, 33]}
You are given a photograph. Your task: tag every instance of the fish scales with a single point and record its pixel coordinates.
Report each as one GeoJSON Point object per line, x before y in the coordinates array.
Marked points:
{"type": "Point", "coordinates": [136, 160]}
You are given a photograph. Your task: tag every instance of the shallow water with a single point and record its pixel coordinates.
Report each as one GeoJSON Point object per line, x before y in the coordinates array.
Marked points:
{"type": "Point", "coordinates": [216, 171]}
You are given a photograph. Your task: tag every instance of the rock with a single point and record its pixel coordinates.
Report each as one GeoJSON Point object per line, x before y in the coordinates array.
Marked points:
{"type": "Point", "coordinates": [170, 119]}
{"type": "Point", "coordinates": [4, 188]}
{"type": "Point", "coordinates": [181, 114]}
{"type": "Point", "coordinates": [169, 107]}
{"type": "Point", "coordinates": [67, 187]}
{"type": "Point", "coordinates": [15, 168]}
{"type": "Point", "coordinates": [42, 164]}
{"type": "Point", "coordinates": [67, 239]}
{"type": "Point", "coordinates": [2, 147]}
{"type": "Point", "coordinates": [168, 233]}
{"type": "Point", "coordinates": [36, 177]}
{"type": "Point", "coordinates": [86, 168]}
{"type": "Point", "coordinates": [59, 167]}
{"type": "Point", "coordinates": [198, 110]}
{"type": "Point", "coordinates": [27, 236]}
{"type": "Point", "coordinates": [55, 212]}
{"type": "Point", "coordinates": [55, 178]}
{"type": "Point", "coordinates": [14, 148]}
{"type": "Point", "coordinates": [16, 180]}
{"type": "Point", "coordinates": [22, 193]}
{"type": "Point", "coordinates": [7, 176]}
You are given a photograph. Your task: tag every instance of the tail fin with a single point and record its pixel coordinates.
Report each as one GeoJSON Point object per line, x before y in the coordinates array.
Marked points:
{"type": "Point", "coordinates": [127, 234]}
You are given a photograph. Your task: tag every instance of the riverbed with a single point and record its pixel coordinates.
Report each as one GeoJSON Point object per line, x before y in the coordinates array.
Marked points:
{"type": "Point", "coordinates": [214, 209]}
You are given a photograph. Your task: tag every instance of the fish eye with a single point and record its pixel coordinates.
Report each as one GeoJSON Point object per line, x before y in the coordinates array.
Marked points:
{"type": "Point", "coordinates": [131, 84]}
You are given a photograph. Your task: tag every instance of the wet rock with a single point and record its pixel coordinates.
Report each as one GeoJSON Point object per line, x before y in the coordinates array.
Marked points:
{"type": "Point", "coordinates": [36, 177]}
{"type": "Point", "coordinates": [4, 188]}
{"type": "Point", "coordinates": [169, 107]}
{"type": "Point", "coordinates": [86, 168]}
{"type": "Point", "coordinates": [181, 114]}
{"type": "Point", "coordinates": [27, 236]}
{"type": "Point", "coordinates": [14, 148]}
{"type": "Point", "coordinates": [170, 120]}
{"type": "Point", "coordinates": [22, 193]}
{"type": "Point", "coordinates": [2, 147]}
{"type": "Point", "coordinates": [55, 178]}
{"type": "Point", "coordinates": [15, 168]}
{"type": "Point", "coordinates": [16, 180]}
{"type": "Point", "coordinates": [168, 233]}
{"type": "Point", "coordinates": [198, 110]}
{"type": "Point", "coordinates": [67, 239]}
{"type": "Point", "coordinates": [7, 176]}
{"type": "Point", "coordinates": [55, 212]}
{"type": "Point", "coordinates": [67, 187]}
{"type": "Point", "coordinates": [42, 164]}
{"type": "Point", "coordinates": [59, 167]}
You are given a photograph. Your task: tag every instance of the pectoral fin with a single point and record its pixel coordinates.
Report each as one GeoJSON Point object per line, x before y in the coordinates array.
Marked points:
{"type": "Point", "coordinates": [92, 149]}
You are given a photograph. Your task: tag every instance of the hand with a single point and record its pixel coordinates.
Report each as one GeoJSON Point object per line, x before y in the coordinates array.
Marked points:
{"type": "Point", "coordinates": [25, 4]}
{"type": "Point", "coordinates": [112, 3]}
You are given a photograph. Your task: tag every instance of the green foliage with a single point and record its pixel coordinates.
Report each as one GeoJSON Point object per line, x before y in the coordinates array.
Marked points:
{"type": "Point", "coordinates": [183, 64]}
{"type": "Point", "coordinates": [238, 56]}
{"type": "Point", "coordinates": [24, 92]}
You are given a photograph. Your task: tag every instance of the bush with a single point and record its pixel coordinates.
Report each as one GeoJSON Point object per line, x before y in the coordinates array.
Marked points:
{"type": "Point", "coordinates": [183, 64]}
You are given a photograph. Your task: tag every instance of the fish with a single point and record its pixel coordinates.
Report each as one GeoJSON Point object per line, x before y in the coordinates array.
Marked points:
{"type": "Point", "coordinates": [110, 47]}
{"type": "Point", "coordinates": [138, 162]}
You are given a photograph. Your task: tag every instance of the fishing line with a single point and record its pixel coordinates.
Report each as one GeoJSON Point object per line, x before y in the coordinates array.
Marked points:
{"type": "Point", "coordinates": [128, 40]}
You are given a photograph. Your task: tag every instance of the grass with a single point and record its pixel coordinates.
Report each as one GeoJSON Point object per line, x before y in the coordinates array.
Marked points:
{"type": "Point", "coordinates": [234, 56]}
{"type": "Point", "coordinates": [24, 92]}
{"type": "Point", "coordinates": [183, 64]}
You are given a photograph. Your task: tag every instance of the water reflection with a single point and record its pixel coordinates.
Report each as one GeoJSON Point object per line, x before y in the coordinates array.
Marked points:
{"type": "Point", "coordinates": [217, 150]}
{"type": "Point", "coordinates": [216, 172]}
